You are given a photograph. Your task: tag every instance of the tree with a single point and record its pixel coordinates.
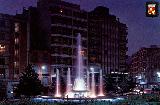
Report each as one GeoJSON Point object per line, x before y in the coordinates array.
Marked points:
{"type": "Point", "coordinates": [29, 84]}
{"type": "Point", "coordinates": [127, 84]}
{"type": "Point", "coordinates": [118, 83]}
{"type": "Point", "coordinates": [156, 89]}
{"type": "Point", "coordinates": [109, 83]}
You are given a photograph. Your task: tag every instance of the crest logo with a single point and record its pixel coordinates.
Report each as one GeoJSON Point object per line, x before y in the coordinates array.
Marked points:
{"type": "Point", "coordinates": [151, 9]}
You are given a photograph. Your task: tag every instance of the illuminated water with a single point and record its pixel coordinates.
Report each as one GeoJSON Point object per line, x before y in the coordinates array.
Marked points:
{"type": "Point", "coordinates": [79, 83]}
{"type": "Point", "coordinates": [79, 86]}
{"type": "Point", "coordinates": [88, 82]}
{"type": "Point", "coordinates": [93, 93]}
{"type": "Point", "coordinates": [58, 94]}
{"type": "Point", "coordinates": [69, 85]}
{"type": "Point", "coordinates": [101, 85]}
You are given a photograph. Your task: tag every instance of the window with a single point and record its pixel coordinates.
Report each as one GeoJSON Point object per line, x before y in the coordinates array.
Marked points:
{"type": "Point", "coordinates": [16, 27]}
{"type": "Point", "coordinates": [16, 40]}
{"type": "Point", "coordinates": [61, 30]}
{"type": "Point", "coordinates": [2, 48]}
{"type": "Point", "coordinates": [2, 61]}
{"type": "Point", "coordinates": [2, 36]}
{"type": "Point", "coordinates": [2, 23]}
{"type": "Point", "coordinates": [34, 57]}
{"type": "Point", "coordinates": [2, 73]}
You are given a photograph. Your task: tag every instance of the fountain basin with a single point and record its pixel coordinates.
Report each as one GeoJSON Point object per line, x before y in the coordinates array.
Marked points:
{"type": "Point", "coordinates": [78, 94]}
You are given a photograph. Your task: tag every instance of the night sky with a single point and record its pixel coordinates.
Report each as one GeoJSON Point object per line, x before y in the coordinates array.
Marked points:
{"type": "Point", "coordinates": [142, 31]}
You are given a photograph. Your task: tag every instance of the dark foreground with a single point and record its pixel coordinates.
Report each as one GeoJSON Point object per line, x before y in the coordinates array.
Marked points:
{"type": "Point", "coordinates": [130, 100]}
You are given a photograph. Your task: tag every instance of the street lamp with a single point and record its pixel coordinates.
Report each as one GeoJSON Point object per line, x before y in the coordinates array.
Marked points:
{"type": "Point", "coordinates": [92, 69]}
{"type": "Point", "coordinates": [43, 67]}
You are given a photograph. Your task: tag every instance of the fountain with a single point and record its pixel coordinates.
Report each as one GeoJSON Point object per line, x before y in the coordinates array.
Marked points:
{"type": "Point", "coordinates": [69, 85]}
{"type": "Point", "coordinates": [93, 94]}
{"type": "Point", "coordinates": [58, 94]}
{"type": "Point", "coordinates": [101, 84]}
{"type": "Point", "coordinates": [88, 83]}
{"type": "Point", "coordinates": [81, 87]}
{"type": "Point", "coordinates": [79, 83]}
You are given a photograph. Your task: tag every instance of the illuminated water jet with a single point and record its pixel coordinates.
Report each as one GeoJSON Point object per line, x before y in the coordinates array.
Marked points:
{"type": "Point", "coordinates": [69, 85]}
{"type": "Point", "coordinates": [88, 83]}
{"type": "Point", "coordinates": [79, 86]}
{"type": "Point", "coordinates": [93, 93]}
{"type": "Point", "coordinates": [58, 94]}
{"type": "Point", "coordinates": [101, 84]}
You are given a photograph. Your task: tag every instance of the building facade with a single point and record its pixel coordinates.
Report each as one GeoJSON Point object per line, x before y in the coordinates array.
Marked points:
{"type": "Point", "coordinates": [33, 48]}
{"type": "Point", "coordinates": [145, 65]}
{"type": "Point", "coordinates": [41, 62]}
{"type": "Point", "coordinates": [19, 47]}
{"type": "Point", "coordinates": [107, 41]}
{"type": "Point", "coordinates": [61, 22]}
{"type": "Point", "coordinates": [6, 27]}
{"type": "Point", "coordinates": [46, 37]}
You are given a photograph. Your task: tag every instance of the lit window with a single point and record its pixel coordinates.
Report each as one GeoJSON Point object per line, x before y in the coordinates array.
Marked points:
{"type": "Point", "coordinates": [16, 40]}
{"type": "Point", "coordinates": [82, 53]}
{"type": "Point", "coordinates": [2, 48]}
{"type": "Point", "coordinates": [61, 10]}
{"type": "Point", "coordinates": [16, 27]}
{"type": "Point", "coordinates": [15, 64]}
{"type": "Point", "coordinates": [16, 52]}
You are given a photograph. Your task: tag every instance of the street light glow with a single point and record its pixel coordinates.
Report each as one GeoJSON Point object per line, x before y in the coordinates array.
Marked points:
{"type": "Point", "coordinates": [43, 67]}
{"type": "Point", "coordinates": [158, 73]}
{"type": "Point", "coordinates": [91, 68]}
